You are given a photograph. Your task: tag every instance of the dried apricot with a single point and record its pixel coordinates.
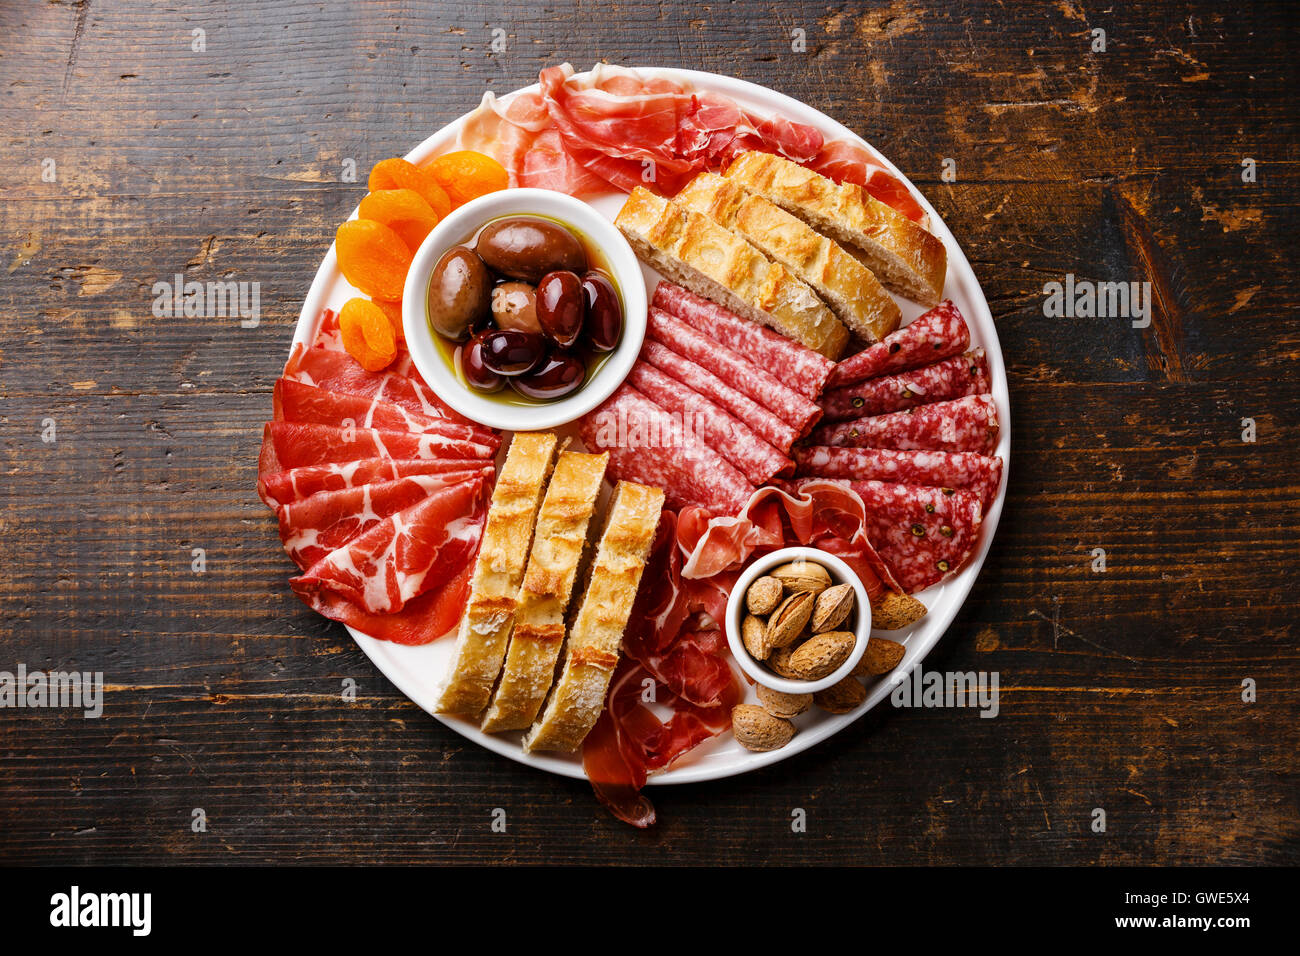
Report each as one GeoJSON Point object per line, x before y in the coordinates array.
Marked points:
{"type": "Point", "coordinates": [367, 334]}
{"type": "Point", "coordinates": [394, 312]}
{"type": "Point", "coordinates": [402, 210]}
{"type": "Point", "coordinates": [466, 175]}
{"type": "Point", "coordinates": [373, 258]}
{"type": "Point", "coordinates": [397, 173]}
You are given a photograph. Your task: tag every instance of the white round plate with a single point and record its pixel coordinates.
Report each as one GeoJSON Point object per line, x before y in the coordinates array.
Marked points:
{"type": "Point", "coordinates": [416, 671]}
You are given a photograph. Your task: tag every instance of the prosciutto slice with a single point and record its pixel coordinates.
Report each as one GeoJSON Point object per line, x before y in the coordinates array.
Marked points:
{"type": "Point", "coordinates": [424, 619]}
{"type": "Point", "coordinates": [339, 372]}
{"type": "Point", "coordinates": [286, 487]}
{"type": "Point", "coordinates": [848, 162]}
{"type": "Point", "coordinates": [295, 444]}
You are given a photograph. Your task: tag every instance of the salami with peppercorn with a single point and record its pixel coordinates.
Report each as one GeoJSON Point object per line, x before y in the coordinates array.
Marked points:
{"type": "Point", "coordinates": [943, 381]}
{"type": "Point", "coordinates": [937, 334]}
{"type": "Point", "coordinates": [967, 424]}
{"type": "Point", "coordinates": [978, 473]}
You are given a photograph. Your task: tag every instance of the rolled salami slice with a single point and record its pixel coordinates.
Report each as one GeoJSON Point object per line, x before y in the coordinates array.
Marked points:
{"type": "Point", "coordinates": [648, 445]}
{"type": "Point", "coordinates": [744, 376]}
{"type": "Point", "coordinates": [796, 365]}
{"type": "Point", "coordinates": [939, 469]}
{"type": "Point", "coordinates": [967, 424]}
{"type": "Point", "coordinates": [923, 534]}
{"type": "Point", "coordinates": [943, 381]}
{"type": "Point", "coordinates": [719, 429]}
{"type": "Point", "coordinates": [937, 334]}
{"type": "Point", "coordinates": [765, 424]}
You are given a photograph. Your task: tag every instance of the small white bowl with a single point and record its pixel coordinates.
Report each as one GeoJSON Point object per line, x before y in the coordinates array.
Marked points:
{"type": "Point", "coordinates": [459, 227]}
{"type": "Point", "coordinates": [840, 573]}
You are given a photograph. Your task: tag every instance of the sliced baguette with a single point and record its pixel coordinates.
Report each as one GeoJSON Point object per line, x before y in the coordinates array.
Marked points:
{"type": "Point", "coordinates": [592, 649]}
{"type": "Point", "coordinates": [849, 288]}
{"type": "Point", "coordinates": [904, 257]}
{"type": "Point", "coordinates": [538, 634]}
{"type": "Point", "coordinates": [694, 251]}
{"type": "Point", "coordinates": [494, 587]}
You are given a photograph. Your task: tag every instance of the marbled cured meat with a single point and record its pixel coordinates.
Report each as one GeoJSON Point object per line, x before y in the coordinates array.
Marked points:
{"type": "Point", "coordinates": [951, 378]}
{"type": "Point", "coordinates": [967, 424]}
{"type": "Point", "coordinates": [295, 484]}
{"type": "Point", "coordinates": [937, 334]}
{"type": "Point", "coordinates": [978, 473]}
{"type": "Point", "coordinates": [295, 444]}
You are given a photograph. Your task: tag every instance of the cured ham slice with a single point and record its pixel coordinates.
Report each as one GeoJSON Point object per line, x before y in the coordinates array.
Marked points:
{"type": "Point", "coordinates": [401, 557]}
{"type": "Point", "coordinates": [938, 469]}
{"type": "Point", "coordinates": [310, 529]}
{"type": "Point", "coordinates": [295, 444]}
{"type": "Point", "coordinates": [426, 618]}
{"type": "Point", "coordinates": [298, 402]}
{"type": "Point", "coordinates": [938, 334]}
{"type": "Point", "coordinates": [286, 487]}
{"type": "Point", "coordinates": [966, 424]}
{"type": "Point", "coordinates": [848, 162]}
{"type": "Point", "coordinates": [339, 372]}
{"type": "Point", "coordinates": [943, 381]}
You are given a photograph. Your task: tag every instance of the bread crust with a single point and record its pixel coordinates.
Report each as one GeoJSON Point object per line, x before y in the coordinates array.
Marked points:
{"type": "Point", "coordinates": [498, 572]}
{"type": "Point", "coordinates": [904, 257]}
{"type": "Point", "coordinates": [592, 649]}
{"type": "Point", "coordinates": [538, 636]}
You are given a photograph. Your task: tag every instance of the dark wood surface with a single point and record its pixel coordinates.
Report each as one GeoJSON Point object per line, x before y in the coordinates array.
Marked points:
{"type": "Point", "coordinates": [1120, 690]}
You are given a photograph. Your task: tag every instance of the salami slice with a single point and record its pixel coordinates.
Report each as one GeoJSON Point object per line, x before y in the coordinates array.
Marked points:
{"type": "Point", "coordinates": [798, 366]}
{"type": "Point", "coordinates": [720, 430]}
{"type": "Point", "coordinates": [923, 534]}
{"type": "Point", "coordinates": [937, 334]}
{"type": "Point", "coordinates": [967, 424]}
{"type": "Point", "coordinates": [295, 484]}
{"type": "Point", "coordinates": [744, 376]}
{"type": "Point", "coordinates": [938, 469]}
{"type": "Point", "coordinates": [943, 381]}
{"type": "Point", "coordinates": [648, 445]}
{"type": "Point", "coordinates": [765, 425]}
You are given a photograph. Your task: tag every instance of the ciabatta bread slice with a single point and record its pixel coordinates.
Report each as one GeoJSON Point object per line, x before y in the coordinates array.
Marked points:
{"type": "Point", "coordinates": [498, 572]}
{"type": "Point", "coordinates": [592, 649]}
{"type": "Point", "coordinates": [905, 258]}
{"type": "Point", "coordinates": [538, 635]}
{"type": "Point", "coordinates": [692, 250]}
{"type": "Point", "coordinates": [849, 288]}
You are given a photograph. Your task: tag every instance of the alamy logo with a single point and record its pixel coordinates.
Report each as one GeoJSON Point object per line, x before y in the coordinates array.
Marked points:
{"type": "Point", "coordinates": [951, 689]}
{"type": "Point", "coordinates": [74, 909]}
{"type": "Point", "coordinates": [1085, 299]}
{"type": "Point", "coordinates": [212, 300]}
{"type": "Point", "coordinates": [37, 689]}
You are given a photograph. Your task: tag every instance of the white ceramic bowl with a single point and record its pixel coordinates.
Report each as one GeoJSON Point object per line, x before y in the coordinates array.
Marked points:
{"type": "Point", "coordinates": [459, 227]}
{"type": "Point", "coordinates": [840, 573]}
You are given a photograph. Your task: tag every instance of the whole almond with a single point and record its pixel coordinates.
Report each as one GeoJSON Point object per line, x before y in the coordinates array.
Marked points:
{"type": "Point", "coordinates": [818, 656]}
{"type": "Point", "coordinates": [842, 697]}
{"type": "Point", "coordinates": [802, 576]}
{"type": "Point", "coordinates": [758, 730]}
{"type": "Point", "coordinates": [881, 657]}
{"type": "Point", "coordinates": [780, 704]}
{"type": "Point", "coordinates": [753, 634]}
{"type": "Point", "coordinates": [894, 611]}
{"type": "Point", "coordinates": [790, 618]}
{"type": "Point", "coordinates": [763, 595]}
{"type": "Point", "coordinates": [779, 662]}
{"type": "Point", "coordinates": [832, 608]}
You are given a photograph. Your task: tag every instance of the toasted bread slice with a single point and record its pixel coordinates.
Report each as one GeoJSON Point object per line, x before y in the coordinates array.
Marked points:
{"type": "Point", "coordinates": [591, 651]}
{"type": "Point", "coordinates": [849, 288]}
{"type": "Point", "coordinates": [694, 251]}
{"type": "Point", "coordinates": [498, 572]}
{"type": "Point", "coordinates": [538, 633]}
{"type": "Point", "coordinates": [904, 257]}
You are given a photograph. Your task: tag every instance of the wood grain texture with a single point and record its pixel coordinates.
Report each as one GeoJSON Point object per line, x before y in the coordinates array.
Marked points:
{"type": "Point", "coordinates": [1120, 690]}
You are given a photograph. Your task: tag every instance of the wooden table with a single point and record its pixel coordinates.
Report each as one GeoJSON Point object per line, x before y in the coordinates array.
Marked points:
{"type": "Point", "coordinates": [1121, 690]}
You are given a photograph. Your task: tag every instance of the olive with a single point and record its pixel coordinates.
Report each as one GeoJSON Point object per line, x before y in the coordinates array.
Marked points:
{"type": "Point", "coordinates": [560, 374]}
{"type": "Point", "coordinates": [560, 307]}
{"type": "Point", "coordinates": [604, 322]}
{"type": "Point", "coordinates": [476, 373]}
{"type": "Point", "coordinates": [524, 247]}
{"type": "Point", "coordinates": [458, 293]}
{"type": "Point", "coordinates": [512, 352]}
{"type": "Point", "coordinates": [514, 306]}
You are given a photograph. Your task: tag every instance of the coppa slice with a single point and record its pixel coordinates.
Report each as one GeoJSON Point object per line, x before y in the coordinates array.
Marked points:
{"type": "Point", "coordinates": [801, 368]}
{"type": "Point", "coordinates": [937, 334]}
{"type": "Point", "coordinates": [294, 444]}
{"type": "Point", "coordinates": [646, 445]}
{"type": "Point", "coordinates": [315, 526]}
{"type": "Point", "coordinates": [558, 543]}
{"type": "Point", "coordinates": [943, 381]}
{"type": "Point", "coordinates": [402, 557]}
{"type": "Point", "coordinates": [938, 469]}
{"type": "Point", "coordinates": [339, 372]}
{"type": "Point", "coordinates": [967, 424]}
{"type": "Point", "coordinates": [296, 401]}
{"type": "Point", "coordinates": [295, 484]}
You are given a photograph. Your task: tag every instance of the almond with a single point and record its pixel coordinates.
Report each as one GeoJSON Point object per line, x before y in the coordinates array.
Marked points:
{"type": "Point", "coordinates": [780, 704]}
{"type": "Point", "coordinates": [832, 608]}
{"type": "Point", "coordinates": [803, 576]}
{"type": "Point", "coordinates": [790, 618]}
{"type": "Point", "coordinates": [842, 697]}
{"type": "Point", "coordinates": [779, 662]}
{"type": "Point", "coordinates": [763, 595]}
{"type": "Point", "coordinates": [818, 656]}
{"type": "Point", "coordinates": [894, 611]}
{"type": "Point", "coordinates": [753, 634]}
{"type": "Point", "coordinates": [881, 657]}
{"type": "Point", "coordinates": [758, 730]}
